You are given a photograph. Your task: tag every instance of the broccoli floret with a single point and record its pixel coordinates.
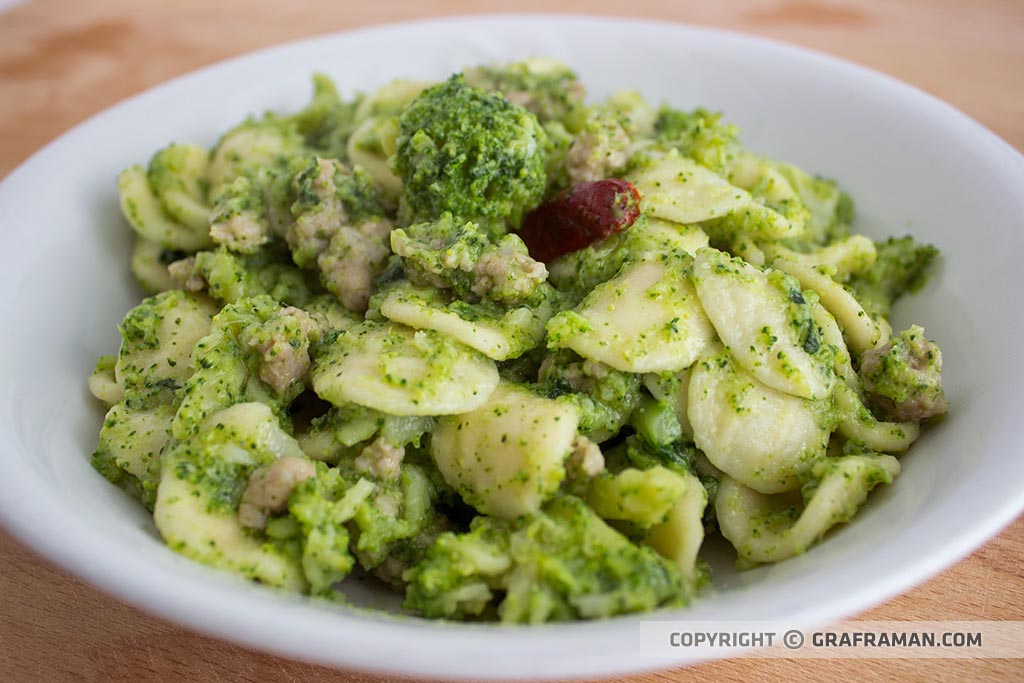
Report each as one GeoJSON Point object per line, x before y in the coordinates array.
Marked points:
{"type": "Point", "coordinates": [901, 266]}
{"type": "Point", "coordinates": [559, 564]}
{"type": "Point", "coordinates": [230, 277]}
{"type": "Point", "coordinates": [327, 121]}
{"type": "Point", "coordinates": [902, 380]}
{"type": "Point", "coordinates": [339, 229]}
{"type": "Point", "coordinates": [604, 396]}
{"type": "Point", "coordinates": [643, 497]}
{"type": "Point", "coordinates": [637, 451]}
{"type": "Point", "coordinates": [457, 575]}
{"type": "Point", "coordinates": [657, 423]}
{"type": "Point", "coordinates": [353, 189]}
{"type": "Point", "coordinates": [452, 254]}
{"type": "Point", "coordinates": [473, 153]}
{"type": "Point", "coordinates": [700, 135]}
{"type": "Point", "coordinates": [343, 430]}
{"type": "Point", "coordinates": [322, 505]}
{"type": "Point", "coordinates": [346, 516]}
{"type": "Point", "coordinates": [239, 219]}
{"type": "Point", "coordinates": [546, 88]}
{"type": "Point", "coordinates": [255, 351]}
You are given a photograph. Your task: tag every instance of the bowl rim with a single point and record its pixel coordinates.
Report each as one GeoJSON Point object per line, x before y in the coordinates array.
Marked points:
{"type": "Point", "coordinates": [26, 513]}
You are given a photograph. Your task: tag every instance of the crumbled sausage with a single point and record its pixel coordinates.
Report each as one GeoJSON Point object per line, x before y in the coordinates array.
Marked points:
{"type": "Point", "coordinates": [353, 258]}
{"type": "Point", "coordinates": [186, 275]}
{"type": "Point", "coordinates": [597, 152]}
{"type": "Point", "coordinates": [311, 233]}
{"type": "Point", "coordinates": [580, 376]}
{"type": "Point", "coordinates": [381, 459]}
{"type": "Point", "coordinates": [283, 344]}
{"type": "Point", "coordinates": [243, 232]}
{"type": "Point", "coordinates": [269, 489]}
{"type": "Point", "coordinates": [586, 459]}
{"type": "Point", "coordinates": [506, 273]}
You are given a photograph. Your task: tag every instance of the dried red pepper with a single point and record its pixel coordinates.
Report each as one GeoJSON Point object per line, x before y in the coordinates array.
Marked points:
{"type": "Point", "coordinates": [579, 216]}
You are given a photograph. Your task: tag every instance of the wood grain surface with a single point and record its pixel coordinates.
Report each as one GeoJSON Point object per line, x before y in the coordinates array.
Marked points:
{"type": "Point", "coordinates": [63, 60]}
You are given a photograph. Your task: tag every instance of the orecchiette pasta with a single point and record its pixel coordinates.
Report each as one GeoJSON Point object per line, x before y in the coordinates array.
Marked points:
{"type": "Point", "coordinates": [497, 332]}
{"type": "Point", "coordinates": [678, 189]}
{"type": "Point", "coordinates": [860, 426]}
{"type": "Point", "coordinates": [401, 371]}
{"type": "Point", "coordinates": [506, 457]}
{"type": "Point", "coordinates": [680, 536]}
{"type": "Point", "coordinates": [763, 323]}
{"type": "Point", "coordinates": [767, 439]}
{"type": "Point", "coordinates": [766, 528]}
{"type": "Point", "coordinates": [862, 332]}
{"type": "Point", "coordinates": [645, 319]}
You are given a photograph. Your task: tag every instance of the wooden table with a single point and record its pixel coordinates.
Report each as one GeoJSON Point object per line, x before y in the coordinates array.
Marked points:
{"type": "Point", "coordinates": [61, 61]}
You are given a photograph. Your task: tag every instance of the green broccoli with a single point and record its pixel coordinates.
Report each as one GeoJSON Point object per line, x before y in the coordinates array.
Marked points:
{"type": "Point", "coordinates": [327, 121]}
{"type": "Point", "coordinates": [643, 497]}
{"type": "Point", "coordinates": [451, 254]}
{"type": "Point", "coordinates": [343, 430]}
{"type": "Point", "coordinates": [700, 135]}
{"type": "Point", "coordinates": [901, 266]}
{"type": "Point", "coordinates": [255, 351]}
{"type": "Point", "coordinates": [680, 456]}
{"type": "Point", "coordinates": [345, 516]}
{"type": "Point", "coordinates": [322, 505]}
{"type": "Point", "coordinates": [473, 153]}
{"type": "Point", "coordinates": [546, 88]}
{"type": "Point", "coordinates": [656, 422]}
{"type": "Point", "coordinates": [660, 442]}
{"type": "Point", "coordinates": [605, 397]}
{"type": "Point", "coordinates": [230, 277]}
{"type": "Point", "coordinates": [559, 564]}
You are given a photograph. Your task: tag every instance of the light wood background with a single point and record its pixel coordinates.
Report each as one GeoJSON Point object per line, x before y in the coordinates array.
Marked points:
{"type": "Point", "coordinates": [63, 60]}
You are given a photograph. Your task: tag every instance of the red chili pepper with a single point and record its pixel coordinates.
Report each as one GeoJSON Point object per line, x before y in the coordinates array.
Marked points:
{"type": "Point", "coordinates": [579, 216]}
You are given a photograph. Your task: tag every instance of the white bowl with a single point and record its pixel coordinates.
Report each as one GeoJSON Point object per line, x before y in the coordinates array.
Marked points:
{"type": "Point", "coordinates": [911, 162]}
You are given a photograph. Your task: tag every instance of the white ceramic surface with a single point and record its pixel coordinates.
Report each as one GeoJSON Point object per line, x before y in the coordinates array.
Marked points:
{"type": "Point", "coordinates": [911, 162]}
